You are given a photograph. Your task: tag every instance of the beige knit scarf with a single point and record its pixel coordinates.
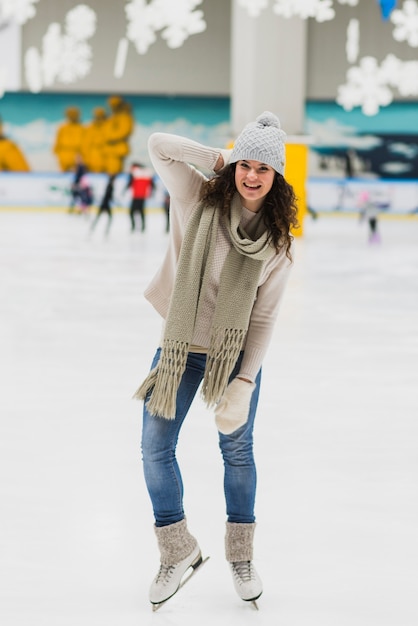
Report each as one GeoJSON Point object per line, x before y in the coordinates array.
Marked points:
{"type": "Point", "coordinates": [236, 295]}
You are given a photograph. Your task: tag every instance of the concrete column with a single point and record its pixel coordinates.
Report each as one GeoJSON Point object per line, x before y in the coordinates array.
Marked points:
{"type": "Point", "coordinates": [268, 68]}
{"type": "Point", "coordinates": [268, 72]}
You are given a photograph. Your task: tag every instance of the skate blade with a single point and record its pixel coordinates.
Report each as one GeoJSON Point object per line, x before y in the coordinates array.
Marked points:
{"type": "Point", "coordinates": [253, 602]}
{"type": "Point", "coordinates": [195, 567]}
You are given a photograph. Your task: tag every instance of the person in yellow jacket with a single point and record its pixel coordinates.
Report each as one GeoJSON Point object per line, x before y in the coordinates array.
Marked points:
{"type": "Point", "coordinates": [94, 142]}
{"type": "Point", "coordinates": [12, 158]}
{"type": "Point", "coordinates": [117, 131]}
{"type": "Point", "coordinates": [69, 139]}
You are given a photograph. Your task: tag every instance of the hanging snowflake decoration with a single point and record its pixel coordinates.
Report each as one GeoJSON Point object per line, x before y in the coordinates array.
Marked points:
{"type": "Point", "coordinates": [254, 7]}
{"type": "Point", "coordinates": [19, 10]}
{"type": "Point", "coordinates": [371, 86]}
{"type": "Point", "coordinates": [80, 23]}
{"type": "Point", "coordinates": [351, 3]}
{"type": "Point", "coordinates": [66, 56]}
{"type": "Point", "coordinates": [353, 39]}
{"type": "Point", "coordinates": [176, 21]}
{"type": "Point", "coordinates": [321, 10]}
{"type": "Point", "coordinates": [73, 61]}
{"type": "Point", "coordinates": [401, 74]}
{"type": "Point", "coordinates": [33, 70]}
{"type": "Point", "coordinates": [406, 23]}
{"type": "Point", "coordinates": [390, 70]}
{"type": "Point", "coordinates": [141, 29]}
{"type": "Point", "coordinates": [366, 87]}
{"type": "Point", "coordinates": [50, 60]}
{"type": "Point", "coordinates": [408, 79]}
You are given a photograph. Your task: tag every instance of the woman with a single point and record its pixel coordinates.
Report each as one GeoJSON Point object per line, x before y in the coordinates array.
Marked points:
{"type": "Point", "coordinates": [218, 290]}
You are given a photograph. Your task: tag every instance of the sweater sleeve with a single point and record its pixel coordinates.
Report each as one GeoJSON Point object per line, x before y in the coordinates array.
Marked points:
{"type": "Point", "coordinates": [176, 160]}
{"type": "Point", "coordinates": [263, 317]}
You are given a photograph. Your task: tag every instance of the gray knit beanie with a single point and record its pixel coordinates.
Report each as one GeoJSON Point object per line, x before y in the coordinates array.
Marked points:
{"type": "Point", "coordinates": [262, 140]}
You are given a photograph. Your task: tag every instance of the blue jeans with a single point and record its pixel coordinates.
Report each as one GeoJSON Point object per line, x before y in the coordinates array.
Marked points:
{"type": "Point", "coordinates": [161, 471]}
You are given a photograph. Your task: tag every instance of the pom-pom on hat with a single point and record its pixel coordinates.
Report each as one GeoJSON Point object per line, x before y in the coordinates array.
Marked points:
{"type": "Point", "coordinates": [262, 140]}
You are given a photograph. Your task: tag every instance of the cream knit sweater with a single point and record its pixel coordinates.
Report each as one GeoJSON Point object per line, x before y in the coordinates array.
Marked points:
{"type": "Point", "coordinates": [175, 160]}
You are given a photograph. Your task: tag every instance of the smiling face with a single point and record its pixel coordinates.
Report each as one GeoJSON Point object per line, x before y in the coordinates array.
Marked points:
{"type": "Point", "coordinates": [253, 181]}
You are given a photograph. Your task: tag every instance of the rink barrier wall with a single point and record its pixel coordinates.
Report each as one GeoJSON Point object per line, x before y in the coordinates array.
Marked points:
{"type": "Point", "coordinates": [342, 195]}
{"type": "Point", "coordinates": [51, 191]}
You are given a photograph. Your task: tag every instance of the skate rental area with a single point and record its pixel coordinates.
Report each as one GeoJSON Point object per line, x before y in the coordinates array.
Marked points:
{"type": "Point", "coordinates": [335, 440]}
{"type": "Point", "coordinates": [289, 109]}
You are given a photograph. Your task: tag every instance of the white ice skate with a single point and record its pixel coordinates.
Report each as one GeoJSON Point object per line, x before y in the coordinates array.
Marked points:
{"type": "Point", "coordinates": [170, 578]}
{"type": "Point", "coordinates": [247, 582]}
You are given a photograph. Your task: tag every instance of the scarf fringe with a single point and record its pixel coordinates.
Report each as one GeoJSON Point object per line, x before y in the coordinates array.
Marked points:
{"type": "Point", "coordinates": [222, 357]}
{"type": "Point", "coordinates": [147, 385]}
{"type": "Point", "coordinates": [163, 381]}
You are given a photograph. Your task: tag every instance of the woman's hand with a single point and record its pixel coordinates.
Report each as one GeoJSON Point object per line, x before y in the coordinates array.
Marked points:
{"type": "Point", "coordinates": [234, 406]}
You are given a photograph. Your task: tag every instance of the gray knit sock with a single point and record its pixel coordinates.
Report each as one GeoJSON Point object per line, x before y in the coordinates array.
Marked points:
{"type": "Point", "coordinates": [175, 542]}
{"type": "Point", "coordinates": [239, 542]}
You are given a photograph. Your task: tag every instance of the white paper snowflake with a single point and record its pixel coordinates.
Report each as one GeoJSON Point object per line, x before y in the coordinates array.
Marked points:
{"type": "Point", "coordinates": [66, 56]}
{"type": "Point", "coordinates": [19, 10]}
{"type": "Point", "coordinates": [141, 28]}
{"type": "Point", "coordinates": [176, 21]}
{"type": "Point", "coordinates": [254, 7]}
{"type": "Point", "coordinates": [401, 74]}
{"type": "Point", "coordinates": [51, 53]}
{"type": "Point", "coordinates": [321, 10]}
{"type": "Point", "coordinates": [75, 60]}
{"type": "Point", "coordinates": [33, 70]}
{"type": "Point", "coordinates": [408, 79]}
{"type": "Point", "coordinates": [121, 56]}
{"type": "Point", "coordinates": [406, 23]}
{"type": "Point", "coordinates": [80, 22]}
{"type": "Point", "coordinates": [353, 39]}
{"type": "Point", "coordinates": [366, 87]}
{"type": "Point", "coordinates": [351, 3]}
{"type": "Point", "coordinates": [390, 70]}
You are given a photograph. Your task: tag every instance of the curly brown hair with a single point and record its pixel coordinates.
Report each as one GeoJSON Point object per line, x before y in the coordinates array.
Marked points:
{"type": "Point", "coordinates": [279, 208]}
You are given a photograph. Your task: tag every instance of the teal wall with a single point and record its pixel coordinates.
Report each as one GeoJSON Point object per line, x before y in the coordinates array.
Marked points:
{"type": "Point", "coordinates": [386, 143]}
{"type": "Point", "coordinates": [31, 120]}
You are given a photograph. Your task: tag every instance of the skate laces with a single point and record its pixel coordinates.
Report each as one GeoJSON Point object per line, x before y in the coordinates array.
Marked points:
{"type": "Point", "coordinates": [164, 574]}
{"type": "Point", "coordinates": [243, 571]}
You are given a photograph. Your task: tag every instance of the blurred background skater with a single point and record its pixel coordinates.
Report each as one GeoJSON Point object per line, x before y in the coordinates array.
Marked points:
{"type": "Point", "coordinates": [105, 205]}
{"type": "Point", "coordinates": [75, 191]}
{"type": "Point", "coordinates": [348, 164]}
{"type": "Point", "coordinates": [141, 184]}
{"type": "Point", "coordinates": [85, 195]}
{"type": "Point", "coordinates": [348, 160]}
{"type": "Point", "coordinates": [369, 210]}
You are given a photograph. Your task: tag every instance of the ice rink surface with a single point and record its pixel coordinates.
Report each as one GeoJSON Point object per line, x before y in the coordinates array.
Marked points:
{"type": "Point", "coordinates": [336, 434]}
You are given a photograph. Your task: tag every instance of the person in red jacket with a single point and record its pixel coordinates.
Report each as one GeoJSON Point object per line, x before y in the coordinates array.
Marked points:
{"type": "Point", "coordinates": [141, 184]}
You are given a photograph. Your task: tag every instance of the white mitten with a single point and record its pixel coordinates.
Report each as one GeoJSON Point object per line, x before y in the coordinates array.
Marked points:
{"type": "Point", "coordinates": [234, 406]}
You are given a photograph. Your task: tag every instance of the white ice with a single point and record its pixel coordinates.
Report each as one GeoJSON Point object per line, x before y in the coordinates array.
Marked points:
{"type": "Point", "coordinates": [336, 437]}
